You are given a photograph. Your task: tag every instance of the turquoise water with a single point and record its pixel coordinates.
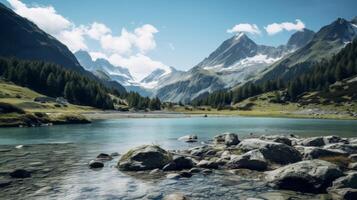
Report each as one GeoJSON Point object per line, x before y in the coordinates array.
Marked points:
{"type": "Point", "coordinates": [58, 157]}
{"type": "Point", "coordinates": [165, 131]}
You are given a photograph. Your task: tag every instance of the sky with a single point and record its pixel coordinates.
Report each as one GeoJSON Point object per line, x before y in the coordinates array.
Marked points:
{"type": "Point", "coordinates": [144, 35]}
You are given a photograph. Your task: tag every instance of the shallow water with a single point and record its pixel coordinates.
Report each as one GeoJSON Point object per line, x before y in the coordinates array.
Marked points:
{"type": "Point", "coordinates": [60, 171]}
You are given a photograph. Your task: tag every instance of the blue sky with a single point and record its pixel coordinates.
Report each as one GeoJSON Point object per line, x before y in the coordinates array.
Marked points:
{"type": "Point", "coordinates": [188, 30]}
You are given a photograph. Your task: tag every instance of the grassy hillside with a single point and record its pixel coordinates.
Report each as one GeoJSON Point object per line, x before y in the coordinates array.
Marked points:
{"type": "Point", "coordinates": [27, 112]}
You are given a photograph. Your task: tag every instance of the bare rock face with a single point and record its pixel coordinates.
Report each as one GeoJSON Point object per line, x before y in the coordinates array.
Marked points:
{"type": "Point", "coordinates": [306, 176]}
{"type": "Point", "coordinates": [146, 157]}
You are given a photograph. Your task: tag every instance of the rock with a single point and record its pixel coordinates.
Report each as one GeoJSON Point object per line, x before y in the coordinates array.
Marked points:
{"type": "Point", "coordinates": [306, 176]}
{"type": "Point", "coordinates": [20, 173]}
{"type": "Point", "coordinates": [272, 151]}
{"type": "Point", "coordinates": [313, 141]}
{"type": "Point", "coordinates": [114, 154]}
{"type": "Point", "coordinates": [207, 164]}
{"type": "Point", "coordinates": [349, 148]}
{"type": "Point", "coordinates": [4, 183]}
{"type": "Point", "coordinates": [179, 163]}
{"type": "Point", "coordinates": [277, 138]}
{"type": "Point", "coordinates": [253, 143]}
{"type": "Point", "coordinates": [188, 138]}
{"type": "Point", "coordinates": [195, 170]}
{"type": "Point", "coordinates": [344, 193]}
{"type": "Point", "coordinates": [253, 160]}
{"type": "Point", "coordinates": [317, 152]}
{"type": "Point", "coordinates": [332, 139]}
{"type": "Point", "coordinates": [146, 157]}
{"type": "Point", "coordinates": [202, 151]}
{"type": "Point", "coordinates": [96, 164]}
{"type": "Point", "coordinates": [104, 157]}
{"type": "Point", "coordinates": [185, 174]}
{"type": "Point", "coordinates": [353, 157]}
{"type": "Point", "coordinates": [352, 166]}
{"type": "Point", "coordinates": [349, 181]}
{"type": "Point", "coordinates": [173, 176]}
{"type": "Point", "coordinates": [226, 155]}
{"type": "Point", "coordinates": [175, 196]}
{"type": "Point", "coordinates": [228, 139]}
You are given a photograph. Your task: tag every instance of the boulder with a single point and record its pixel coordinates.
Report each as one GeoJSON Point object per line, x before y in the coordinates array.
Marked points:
{"type": "Point", "coordinates": [4, 183]}
{"type": "Point", "coordinates": [203, 151]}
{"type": "Point", "coordinates": [313, 141]}
{"type": "Point", "coordinates": [228, 139]}
{"type": "Point", "coordinates": [207, 164]}
{"type": "Point", "coordinates": [272, 151]}
{"type": "Point", "coordinates": [195, 170]}
{"type": "Point", "coordinates": [179, 163]}
{"type": "Point", "coordinates": [349, 148]}
{"type": "Point", "coordinates": [188, 138]}
{"type": "Point", "coordinates": [331, 139]}
{"type": "Point", "coordinates": [317, 152]}
{"type": "Point", "coordinates": [348, 181]}
{"type": "Point", "coordinates": [306, 176]}
{"type": "Point", "coordinates": [277, 138]}
{"type": "Point", "coordinates": [146, 157]}
{"type": "Point", "coordinates": [96, 164]}
{"type": "Point", "coordinates": [343, 193]}
{"type": "Point", "coordinates": [20, 173]}
{"type": "Point", "coordinates": [104, 157]}
{"type": "Point", "coordinates": [253, 160]}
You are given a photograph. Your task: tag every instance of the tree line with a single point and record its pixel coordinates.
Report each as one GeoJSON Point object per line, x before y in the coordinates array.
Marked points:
{"type": "Point", "coordinates": [318, 77]}
{"type": "Point", "coordinates": [55, 81]}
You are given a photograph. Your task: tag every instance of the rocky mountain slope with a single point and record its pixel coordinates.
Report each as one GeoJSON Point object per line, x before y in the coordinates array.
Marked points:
{"type": "Point", "coordinates": [234, 62]}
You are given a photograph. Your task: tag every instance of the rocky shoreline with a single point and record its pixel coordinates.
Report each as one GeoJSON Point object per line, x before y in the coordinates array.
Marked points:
{"type": "Point", "coordinates": [318, 165]}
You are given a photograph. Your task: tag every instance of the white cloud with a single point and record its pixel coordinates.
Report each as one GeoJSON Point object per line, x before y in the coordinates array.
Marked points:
{"type": "Point", "coordinates": [139, 65]}
{"type": "Point", "coordinates": [97, 30]}
{"type": "Point", "coordinates": [45, 17]}
{"type": "Point", "coordinates": [275, 28]}
{"type": "Point", "coordinates": [247, 28]}
{"type": "Point", "coordinates": [127, 49]}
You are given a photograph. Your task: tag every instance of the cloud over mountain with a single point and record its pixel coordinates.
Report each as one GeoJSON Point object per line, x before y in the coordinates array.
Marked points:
{"type": "Point", "coordinates": [275, 28]}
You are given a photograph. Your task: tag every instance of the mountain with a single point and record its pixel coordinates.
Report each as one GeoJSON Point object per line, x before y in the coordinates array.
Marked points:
{"type": "Point", "coordinates": [329, 40]}
{"type": "Point", "coordinates": [22, 39]}
{"type": "Point", "coordinates": [300, 39]}
{"type": "Point", "coordinates": [236, 61]}
{"type": "Point", "coordinates": [115, 73]}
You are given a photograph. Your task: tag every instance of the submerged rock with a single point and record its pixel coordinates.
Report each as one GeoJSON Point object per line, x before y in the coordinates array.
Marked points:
{"type": "Point", "coordinates": [306, 176]}
{"type": "Point", "coordinates": [228, 139]}
{"type": "Point", "coordinates": [146, 157]}
{"type": "Point", "coordinates": [20, 173]}
{"type": "Point", "coordinates": [253, 160]}
{"type": "Point", "coordinates": [173, 176]}
{"type": "Point", "coordinates": [96, 164]}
